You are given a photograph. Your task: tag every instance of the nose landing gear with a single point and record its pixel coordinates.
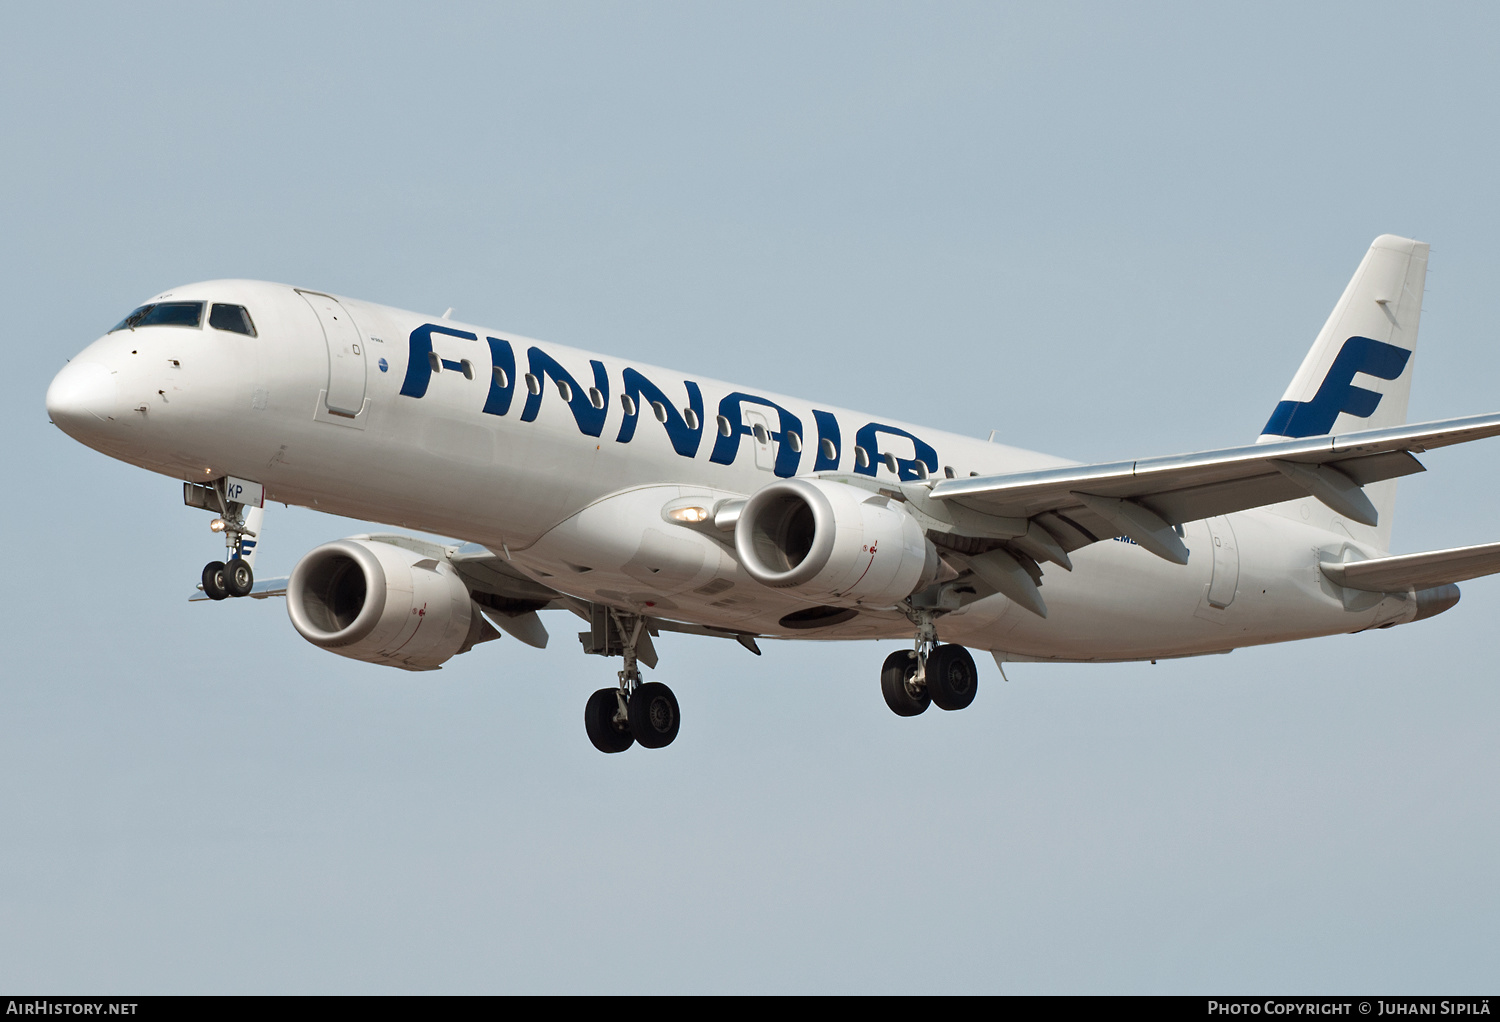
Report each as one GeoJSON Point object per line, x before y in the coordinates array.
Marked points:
{"type": "Point", "coordinates": [235, 577]}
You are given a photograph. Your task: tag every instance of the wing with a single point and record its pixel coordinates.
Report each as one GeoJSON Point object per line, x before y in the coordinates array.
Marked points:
{"type": "Point", "coordinates": [1079, 505]}
{"type": "Point", "coordinates": [509, 598]}
{"type": "Point", "coordinates": [262, 589]}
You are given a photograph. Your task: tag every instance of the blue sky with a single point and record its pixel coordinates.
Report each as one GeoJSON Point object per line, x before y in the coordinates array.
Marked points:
{"type": "Point", "coordinates": [1106, 231]}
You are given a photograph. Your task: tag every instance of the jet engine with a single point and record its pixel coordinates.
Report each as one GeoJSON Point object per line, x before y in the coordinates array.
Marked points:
{"type": "Point", "coordinates": [384, 604]}
{"type": "Point", "coordinates": [833, 543]}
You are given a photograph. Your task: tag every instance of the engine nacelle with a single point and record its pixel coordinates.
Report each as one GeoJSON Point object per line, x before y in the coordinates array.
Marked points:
{"type": "Point", "coordinates": [384, 604]}
{"type": "Point", "coordinates": [833, 543]}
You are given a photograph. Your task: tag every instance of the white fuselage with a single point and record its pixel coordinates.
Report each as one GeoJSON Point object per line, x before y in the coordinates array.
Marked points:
{"type": "Point", "coordinates": [505, 445]}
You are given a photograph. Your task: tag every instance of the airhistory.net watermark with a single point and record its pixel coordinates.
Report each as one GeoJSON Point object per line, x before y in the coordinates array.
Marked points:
{"type": "Point", "coordinates": [44, 1006]}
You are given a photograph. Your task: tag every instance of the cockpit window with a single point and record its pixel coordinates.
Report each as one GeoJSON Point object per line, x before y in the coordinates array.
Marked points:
{"type": "Point", "coordinates": [163, 314]}
{"type": "Point", "coordinates": [231, 317]}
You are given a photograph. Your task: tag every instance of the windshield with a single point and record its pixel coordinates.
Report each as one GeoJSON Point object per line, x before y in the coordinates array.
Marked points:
{"type": "Point", "coordinates": [163, 314]}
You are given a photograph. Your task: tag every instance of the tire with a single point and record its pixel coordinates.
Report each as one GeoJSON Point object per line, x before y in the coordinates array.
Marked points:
{"type": "Point", "coordinates": [599, 722]}
{"type": "Point", "coordinates": [654, 717]}
{"type": "Point", "coordinates": [238, 578]}
{"type": "Point", "coordinates": [904, 699]}
{"type": "Point", "coordinates": [952, 678]}
{"type": "Point", "coordinates": [213, 581]}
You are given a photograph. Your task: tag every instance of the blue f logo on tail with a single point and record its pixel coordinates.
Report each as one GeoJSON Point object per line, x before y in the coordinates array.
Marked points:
{"type": "Point", "coordinates": [1338, 393]}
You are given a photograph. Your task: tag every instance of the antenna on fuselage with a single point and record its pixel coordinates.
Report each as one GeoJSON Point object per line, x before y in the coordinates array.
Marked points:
{"type": "Point", "coordinates": [449, 313]}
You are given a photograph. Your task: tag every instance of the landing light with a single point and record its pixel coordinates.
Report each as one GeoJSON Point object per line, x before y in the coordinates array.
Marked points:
{"type": "Point", "coordinates": [218, 525]}
{"type": "Point", "coordinates": [688, 514]}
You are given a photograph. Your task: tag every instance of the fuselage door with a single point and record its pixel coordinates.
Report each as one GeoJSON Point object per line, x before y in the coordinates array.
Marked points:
{"type": "Point", "coordinates": [765, 447]}
{"type": "Point", "coordinates": [1226, 564]}
{"type": "Point", "coordinates": [346, 359]}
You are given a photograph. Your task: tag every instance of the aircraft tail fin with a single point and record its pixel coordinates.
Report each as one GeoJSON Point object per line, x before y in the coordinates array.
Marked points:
{"type": "Point", "coordinates": [1372, 335]}
{"type": "Point", "coordinates": [255, 518]}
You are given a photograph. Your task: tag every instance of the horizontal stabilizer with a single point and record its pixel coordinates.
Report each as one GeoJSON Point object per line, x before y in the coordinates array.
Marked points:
{"type": "Point", "coordinates": [263, 588]}
{"type": "Point", "coordinates": [1416, 571]}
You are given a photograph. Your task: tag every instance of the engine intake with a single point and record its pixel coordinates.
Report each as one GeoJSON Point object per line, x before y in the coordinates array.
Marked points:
{"type": "Point", "coordinates": [383, 604]}
{"type": "Point", "coordinates": [833, 543]}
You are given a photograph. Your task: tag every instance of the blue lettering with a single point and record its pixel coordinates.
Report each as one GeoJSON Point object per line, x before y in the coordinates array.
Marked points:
{"type": "Point", "coordinates": [503, 358]}
{"type": "Point", "coordinates": [590, 419]}
{"type": "Point", "coordinates": [726, 447]}
{"type": "Point", "coordinates": [685, 439]}
{"type": "Point", "coordinates": [684, 427]}
{"type": "Point", "coordinates": [828, 429]}
{"type": "Point", "coordinates": [1337, 392]}
{"type": "Point", "coordinates": [906, 468]}
{"type": "Point", "coordinates": [419, 364]}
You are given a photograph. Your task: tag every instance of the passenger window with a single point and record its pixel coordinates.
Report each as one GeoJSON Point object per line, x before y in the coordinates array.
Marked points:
{"type": "Point", "coordinates": [231, 317]}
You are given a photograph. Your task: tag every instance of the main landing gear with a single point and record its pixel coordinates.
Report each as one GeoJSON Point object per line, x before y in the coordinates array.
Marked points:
{"type": "Point", "coordinates": [234, 577]}
{"type": "Point", "coordinates": [634, 712]}
{"type": "Point", "coordinates": [910, 679]}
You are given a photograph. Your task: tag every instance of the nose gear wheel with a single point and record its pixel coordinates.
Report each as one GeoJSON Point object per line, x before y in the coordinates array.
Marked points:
{"type": "Point", "coordinates": [214, 586]}
{"type": "Point", "coordinates": [238, 578]}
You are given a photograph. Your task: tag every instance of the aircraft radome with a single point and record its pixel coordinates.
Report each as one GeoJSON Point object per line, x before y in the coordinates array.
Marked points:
{"type": "Point", "coordinates": [644, 500]}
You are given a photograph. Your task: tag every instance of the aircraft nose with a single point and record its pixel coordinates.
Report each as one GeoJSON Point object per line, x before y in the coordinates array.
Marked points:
{"type": "Point", "coordinates": [83, 398]}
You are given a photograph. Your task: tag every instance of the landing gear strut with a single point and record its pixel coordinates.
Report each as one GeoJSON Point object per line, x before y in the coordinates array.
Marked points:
{"type": "Point", "coordinates": [634, 711]}
{"type": "Point", "coordinates": [910, 679]}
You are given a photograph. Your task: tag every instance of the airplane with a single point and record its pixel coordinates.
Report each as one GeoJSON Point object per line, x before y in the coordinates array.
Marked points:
{"type": "Point", "coordinates": [643, 500]}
